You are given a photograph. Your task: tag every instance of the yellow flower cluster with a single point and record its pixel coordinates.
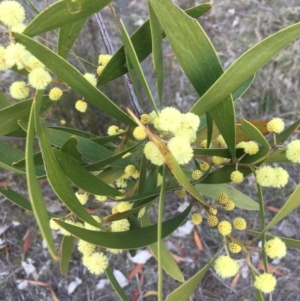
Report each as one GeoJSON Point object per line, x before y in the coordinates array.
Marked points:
{"type": "Point", "coordinates": [120, 225]}
{"type": "Point", "coordinates": [276, 125]}
{"type": "Point", "coordinates": [212, 220]}
{"type": "Point", "coordinates": [12, 13]}
{"type": "Point", "coordinates": [236, 177]}
{"type": "Point", "coordinates": [196, 174]}
{"type": "Point", "coordinates": [114, 130]}
{"type": "Point", "coordinates": [19, 90]}
{"type": "Point", "coordinates": [265, 282]}
{"type": "Point", "coordinates": [234, 247]}
{"type": "Point", "coordinates": [82, 197]}
{"type": "Point", "coordinates": [88, 226]}
{"type": "Point", "coordinates": [221, 142]}
{"type": "Point", "coordinates": [293, 151]}
{"type": "Point", "coordinates": [91, 78]}
{"type": "Point", "coordinates": [224, 228]}
{"type": "Point", "coordinates": [204, 166]}
{"type": "Point", "coordinates": [239, 223]}
{"type": "Point", "coordinates": [139, 133]}
{"type": "Point", "coordinates": [181, 193]}
{"type": "Point", "coordinates": [96, 263]}
{"type": "Point", "coordinates": [226, 267]}
{"type": "Point", "coordinates": [196, 218]}
{"type": "Point", "coordinates": [145, 118]}
{"type": "Point", "coordinates": [275, 248]}
{"type": "Point", "coordinates": [55, 94]}
{"type": "Point", "coordinates": [103, 61]}
{"type": "Point", "coordinates": [267, 176]}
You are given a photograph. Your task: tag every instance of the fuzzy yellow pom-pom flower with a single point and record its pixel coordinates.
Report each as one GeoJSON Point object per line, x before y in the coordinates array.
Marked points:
{"type": "Point", "coordinates": [265, 282]}
{"type": "Point", "coordinates": [19, 90]}
{"type": "Point", "coordinates": [145, 118]}
{"type": "Point", "coordinates": [181, 193]}
{"type": "Point", "coordinates": [190, 121]}
{"type": "Point", "coordinates": [100, 70]}
{"type": "Point", "coordinates": [16, 54]}
{"type": "Point", "coordinates": [293, 151]}
{"type": "Point", "coordinates": [196, 174]}
{"type": "Point", "coordinates": [212, 220]}
{"type": "Point", "coordinates": [218, 160]}
{"type": "Point", "coordinates": [236, 177]}
{"type": "Point", "coordinates": [124, 206]}
{"type": "Point", "coordinates": [186, 134]}
{"type": "Point", "coordinates": [224, 228]}
{"type": "Point", "coordinates": [276, 125]}
{"type": "Point", "coordinates": [81, 106]}
{"type": "Point", "coordinates": [19, 28]}
{"type": "Point", "coordinates": [136, 174]}
{"type": "Point", "coordinates": [104, 59]}
{"type": "Point", "coordinates": [114, 130]}
{"type": "Point", "coordinates": [55, 94]}
{"type": "Point", "coordinates": [97, 263]}
{"type": "Point", "coordinates": [251, 147]}
{"type": "Point", "coordinates": [139, 133]}
{"type": "Point", "coordinates": [33, 63]}
{"type": "Point", "coordinates": [53, 225]}
{"type": "Point", "coordinates": [65, 232]}
{"type": "Point", "coordinates": [121, 182]}
{"type": "Point", "coordinates": [170, 119]}
{"type": "Point", "coordinates": [223, 198]}
{"type": "Point", "coordinates": [239, 223]}
{"type": "Point", "coordinates": [120, 225]}
{"type": "Point", "coordinates": [213, 211]}
{"type": "Point", "coordinates": [39, 78]}
{"type": "Point", "coordinates": [129, 169]}
{"type": "Point", "coordinates": [82, 197]}
{"type": "Point", "coordinates": [85, 247]}
{"type": "Point", "coordinates": [91, 227]}
{"type": "Point", "coordinates": [221, 141]}
{"type": "Point", "coordinates": [234, 247]}
{"type": "Point", "coordinates": [265, 176]}
{"type": "Point", "coordinates": [91, 78]}
{"type": "Point", "coordinates": [181, 150]}
{"type": "Point", "coordinates": [101, 198]}
{"type": "Point", "coordinates": [275, 248]}
{"type": "Point", "coordinates": [204, 166]}
{"type": "Point", "coordinates": [229, 206]}
{"type": "Point", "coordinates": [241, 144]}
{"type": "Point", "coordinates": [226, 267]}
{"type": "Point", "coordinates": [3, 64]}
{"type": "Point", "coordinates": [11, 13]}
{"type": "Point", "coordinates": [203, 143]}
{"type": "Point", "coordinates": [153, 154]}
{"type": "Point", "coordinates": [281, 177]}
{"type": "Point", "coordinates": [196, 218]}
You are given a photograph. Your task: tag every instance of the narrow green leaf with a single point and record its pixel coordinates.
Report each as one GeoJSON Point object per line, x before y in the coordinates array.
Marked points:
{"type": "Point", "coordinates": [115, 284]}
{"type": "Point", "coordinates": [67, 36]}
{"type": "Point", "coordinates": [183, 292]}
{"type": "Point", "coordinates": [141, 40]}
{"type": "Point", "coordinates": [290, 205]}
{"type": "Point", "coordinates": [62, 13]}
{"type": "Point", "coordinates": [132, 239]}
{"type": "Point", "coordinates": [76, 132]}
{"type": "Point", "coordinates": [157, 54]}
{"type": "Point", "coordinates": [70, 149]}
{"type": "Point", "coordinates": [71, 76]}
{"type": "Point", "coordinates": [3, 101]}
{"type": "Point", "coordinates": [81, 177]}
{"type": "Point", "coordinates": [237, 74]}
{"type": "Point", "coordinates": [279, 156]}
{"type": "Point", "coordinates": [57, 178]}
{"type": "Point", "coordinates": [241, 90]}
{"type": "Point", "coordinates": [199, 61]}
{"type": "Point", "coordinates": [35, 194]}
{"type": "Point", "coordinates": [168, 263]}
{"type": "Point", "coordinates": [219, 152]}
{"type": "Point", "coordinates": [66, 252]}
{"type": "Point", "coordinates": [20, 201]}
{"type": "Point", "coordinates": [130, 51]}
{"type": "Point", "coordinates": [252, 132]}
{"type": "Point", "coordinates": [10, 115]}
{"type": "Point", "coordinates": [37, 160]}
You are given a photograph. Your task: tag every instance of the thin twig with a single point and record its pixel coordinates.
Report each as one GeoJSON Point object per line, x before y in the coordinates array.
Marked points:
{"type": "Point", "coordinates": [110, 49]}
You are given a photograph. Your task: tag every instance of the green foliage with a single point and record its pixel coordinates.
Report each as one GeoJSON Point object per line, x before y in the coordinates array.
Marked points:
{"type": "Point", "coordinates": [137, 172]}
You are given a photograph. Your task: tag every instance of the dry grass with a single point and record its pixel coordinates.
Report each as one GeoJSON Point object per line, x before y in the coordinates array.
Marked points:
{"type": "Point", "coordinates": [233, 26]}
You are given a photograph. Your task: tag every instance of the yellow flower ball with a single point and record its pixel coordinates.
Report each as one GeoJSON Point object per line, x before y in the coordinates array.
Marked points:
{"type": "Point", "coordinates": [81, 106]}
{"type": "Point", "coordinates": [251, 148]}
{"type": "Point", "coordinates": [196, 174]}
{"type": "Point", "coordinates": [120, 225]}
{"type": "Point", "coordinates": [239, 223]}
{"type": "Point", "coordinates": [170, 119]}
{"type": "Point", "coordinates": [3, 65]}
{"type": "Point", "coordinates": [100, 70]}
{"type": "Point", "coordinates": [203, 143]}
{"type": "Point", "coordinates": [196, 218]}
{"type": "Point", "coordinates": [265, 283]}
{"type": "Point", "coordinates": [212, 220]}
{"type": "Point", "coordinates": [55, 94]}
{"type": "Point", "coordinates": [221, 141]}
{"type": "Point", "coordinates": [53, 225]}
{"type": "Point", "coordinates": [265, 176]}
{"type": "Point", "coordinates": [88, 226]}
{"type": "Point", "coordinates": [136, 174]}
{"type": "Point", "coordinates": [11, 13]}
{"type": "Point", "coordinates": [229, 206]}
{"type": "Point", "coordinates": [234, 247]}
{"type": "Point", "coordinates": [293, 151]}
{"type": "Point", "coordinates": [19, 90]}
{"type": "Point", "coordinates": [139, 133]}
{"type": "Point", "coordinates": [97, 263]}
{"type": "Point", "coordinates": [65, 232]}
{"type": "Point", "coordinates": [101, 198]}
{"type": "Point", "coordinates": [129, 169]}
{"type": "Point", "coordinates": [32, 63]}
{"type": "Point", "coordinates": [213, 211]}
{"type": "Point", "coordinates": [204, 166]}
{"type": "Point", "coordinates": [190, 121]}
{"type": "Point", "coordinates": [104, 59]}
{"type": "Point", "coordinates": [121, 182]}
{"type": "Point", "coordinates": [186, 134]}
{"type": "Point", "coordinates": [236, 177]}
{"type": "Point", "coordinates": [85, 247]}
{"type": "Point", "coordinates": [124, 206]}
{"type": "Point", "coordinates": [19, 28]}
{"type": "Point", "coordinates": [181, 193]}
{"type": "Point", "coordinates": [16, 54]}
{"type": "Point", "coordinates": [91, 78]}
{"type": "Point", "coordinates": [114, 130]}
{"type": "Point", "coordinates": [281, 177]}
{"type": "Point", "coordinates": [224, 228]}
{"type": "Point", "coordinates": [39, 78]}
{"type": "Point", "coordinates": [82, 197]}
{"type": "Point", "coordinates": [153, 154]}
{"type": "Point", "coordinates": [275, 248]}
{"type": "Point", "coordinates": [114, 251]}
{"type": "Point", "coordinates": [181, 150]}
{"type": "Point", "coordinates": [276, 125]}
{"type": "Point", "coordinates": [223, 198]}
{"type": "Point", "coordinates": [218, 160]}
{"type": "Point", "coordinates": [226, 267]}
{"type": "Point", "coordinates": [145, 118]}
